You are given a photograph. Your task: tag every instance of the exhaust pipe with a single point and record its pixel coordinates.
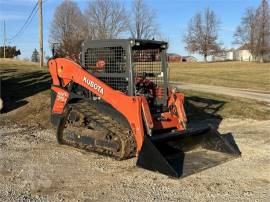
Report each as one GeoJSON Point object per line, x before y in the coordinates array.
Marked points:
{"type": "Point", "coordinates": [179, 154]}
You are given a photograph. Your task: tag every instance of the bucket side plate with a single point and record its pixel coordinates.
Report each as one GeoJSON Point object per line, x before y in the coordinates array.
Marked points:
{"type": "Point", "coordinates": [182, 154]}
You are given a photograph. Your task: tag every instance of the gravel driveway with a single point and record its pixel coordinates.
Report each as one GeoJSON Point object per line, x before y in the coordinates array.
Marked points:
{"type": "Point", "coordinates": [34, 167]}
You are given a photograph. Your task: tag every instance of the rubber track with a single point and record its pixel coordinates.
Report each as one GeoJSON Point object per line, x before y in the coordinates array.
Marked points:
{"type": "Point", "coordinates": [93, 116]}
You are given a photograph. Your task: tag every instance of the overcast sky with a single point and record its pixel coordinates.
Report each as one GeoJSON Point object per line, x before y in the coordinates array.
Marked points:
{"type": "Point", "coordinates": [172, 17]}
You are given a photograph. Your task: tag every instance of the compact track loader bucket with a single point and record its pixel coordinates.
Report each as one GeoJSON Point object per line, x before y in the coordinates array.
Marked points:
{"type": "Point", "coordinates": [182, 154]}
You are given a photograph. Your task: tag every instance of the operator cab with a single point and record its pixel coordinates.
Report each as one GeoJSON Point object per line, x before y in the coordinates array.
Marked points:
{"type": "Point", "coordinates": [132, 66]}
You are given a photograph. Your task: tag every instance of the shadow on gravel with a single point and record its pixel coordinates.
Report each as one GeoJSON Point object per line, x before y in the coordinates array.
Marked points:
{"type": "Point", "coordinates": [188, 152]}
{"type": "Point", "coordinates": [203, 111]}
{"type": "Point", "coordinates": [16, 86]}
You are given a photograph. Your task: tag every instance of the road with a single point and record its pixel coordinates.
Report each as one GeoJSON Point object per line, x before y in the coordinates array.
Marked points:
{"type": "Point", "coordinates": [235, 92]}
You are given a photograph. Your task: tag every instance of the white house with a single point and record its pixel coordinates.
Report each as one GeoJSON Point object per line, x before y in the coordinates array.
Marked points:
{"type": "Point", "coordinates": [230, 54]}
{"type": "Point", "coordinates": [225, 56]}
{"type": "Point", "coordinates": [240, 54]}
{"type": "Point", "coordinates": [243, 55]}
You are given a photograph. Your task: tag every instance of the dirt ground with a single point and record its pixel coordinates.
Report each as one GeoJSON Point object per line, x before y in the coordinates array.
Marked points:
{"type": "Point", "coordinates": [33, 167]}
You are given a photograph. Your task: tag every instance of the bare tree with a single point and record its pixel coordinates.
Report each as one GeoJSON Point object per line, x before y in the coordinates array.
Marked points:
{"type": "Point", "coordinates": [202, 34]}
{"type": "Point", "coordinates": [263, 17]}
{"type": "Point", "coordinates": [254, 31]}
{"type": "Point", "coordinates": [246, 33]}
{"type": "Point", "coordinates": [68, 28]}
{"type": "Point", "coordinates": [106, 19]}
{"type": "Point", "coordinates": [142, 23]}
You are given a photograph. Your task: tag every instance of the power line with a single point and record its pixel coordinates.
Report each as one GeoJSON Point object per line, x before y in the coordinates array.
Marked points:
{"type": "Point", "coordinates": [31, 19]}
{"type": "Point", "coordinates": [40, 24]}
{"type": "Point", "coordinates": [4, 39]}
{"type": "Point", "coordinates": [27, 22]}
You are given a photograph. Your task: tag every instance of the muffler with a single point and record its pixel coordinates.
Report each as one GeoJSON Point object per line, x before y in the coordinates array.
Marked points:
{"type": "Point", "coordinates": [179, 154]}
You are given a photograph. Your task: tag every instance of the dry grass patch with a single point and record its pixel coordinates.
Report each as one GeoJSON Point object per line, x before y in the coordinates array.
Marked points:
{"type": "Point", "coordinates": [220, 106]}
{"type": "Point", "coordinates": [248, 75]}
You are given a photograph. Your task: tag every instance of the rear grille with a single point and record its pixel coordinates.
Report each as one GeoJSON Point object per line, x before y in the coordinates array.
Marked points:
{"type": "Point", "coordinates": [109, 65]}
{"type": "Point", "coordinates": [148, 62]}
{"type": "Point", "coordinates": [117, 83]}
{"type": "Point", "coordinates": [114, 58]}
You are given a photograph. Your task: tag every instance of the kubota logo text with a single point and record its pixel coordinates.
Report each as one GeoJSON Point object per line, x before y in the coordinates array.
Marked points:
{"type": "Point", "coordinates": [93, 85]}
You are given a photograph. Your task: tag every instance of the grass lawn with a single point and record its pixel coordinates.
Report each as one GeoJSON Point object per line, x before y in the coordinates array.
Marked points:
{"type": "Point", "coordinates": [20, 65]}
{"type": "Point", "coordinates": [246, 75]}
{"type": "Point", "coordinates": [21, 80]}
{"type": "Point", "coordinates": [204, 105]}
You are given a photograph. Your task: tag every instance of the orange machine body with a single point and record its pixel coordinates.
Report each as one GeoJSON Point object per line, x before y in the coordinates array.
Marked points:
{"type": "Point", "coordinates": [134, 108]}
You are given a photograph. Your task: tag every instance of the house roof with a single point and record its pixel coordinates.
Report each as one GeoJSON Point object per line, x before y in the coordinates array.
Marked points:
{"type": "Point", "coordinates": [186, 57]}
{"type": "Point", "coordinates": [173, 54]}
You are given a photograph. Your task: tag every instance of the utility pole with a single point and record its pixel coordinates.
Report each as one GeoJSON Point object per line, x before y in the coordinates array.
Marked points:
{"type": "Point", "coordinates": [4, 39]}
{"type": "Point", "coordinates": [40, 32]}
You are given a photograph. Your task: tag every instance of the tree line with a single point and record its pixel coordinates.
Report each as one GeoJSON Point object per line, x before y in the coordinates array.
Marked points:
{"type": "Point", "coordinates": [10, 51]}
{"type": "Point", "coordinates": [109, 19]}
{"type": "Point", "coordinates": [254, 32]}
{"type": "Point", "coordinates": [102, 19]}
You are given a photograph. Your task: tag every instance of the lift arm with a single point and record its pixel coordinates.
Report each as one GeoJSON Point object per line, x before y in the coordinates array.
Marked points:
{"type": "Point", "coordinates": [64, 71]}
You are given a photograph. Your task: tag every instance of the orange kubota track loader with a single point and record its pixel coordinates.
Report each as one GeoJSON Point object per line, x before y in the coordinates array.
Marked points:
{"type": "Point", "coordinates": [118, 103]}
